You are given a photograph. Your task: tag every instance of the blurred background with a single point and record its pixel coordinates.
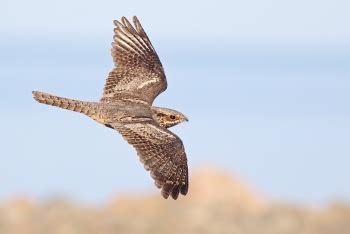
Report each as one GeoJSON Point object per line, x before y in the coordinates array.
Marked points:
{"type": "Point", "coordinates": [265, 85]}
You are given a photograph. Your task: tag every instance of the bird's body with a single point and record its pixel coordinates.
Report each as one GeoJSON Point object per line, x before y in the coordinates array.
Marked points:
{"type": "Point", "coordinates": [126, 106]}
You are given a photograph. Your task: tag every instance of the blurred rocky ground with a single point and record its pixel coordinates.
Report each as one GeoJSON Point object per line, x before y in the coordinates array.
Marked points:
{"type": "Point", "coordinates": [217, 203]}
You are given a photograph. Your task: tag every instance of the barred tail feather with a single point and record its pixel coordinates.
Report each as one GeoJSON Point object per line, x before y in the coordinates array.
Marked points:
{"type": "Point", "coordinates": [88, 108]}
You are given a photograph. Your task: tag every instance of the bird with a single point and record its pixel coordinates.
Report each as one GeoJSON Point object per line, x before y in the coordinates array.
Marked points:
{"type": "Point", "coordinates": [126, 106]}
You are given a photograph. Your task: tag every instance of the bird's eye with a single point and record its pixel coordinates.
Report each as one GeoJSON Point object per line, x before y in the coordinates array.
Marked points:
{"type": "Point", "coordinates": [172, 117]}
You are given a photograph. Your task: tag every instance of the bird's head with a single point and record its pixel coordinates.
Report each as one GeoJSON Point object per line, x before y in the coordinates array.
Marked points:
{"type": "Point", "coordinates": [167, 117]}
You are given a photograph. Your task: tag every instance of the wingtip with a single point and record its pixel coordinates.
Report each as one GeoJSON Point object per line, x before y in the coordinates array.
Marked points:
{"type": "Point", "coordinates": [124, 20]}
{"type": "Point", "coordinates": [184, 189]}
{"type": "Point", "coordinates": [165, 195]}
{"type": "Point", "coordinates": [136, 21]}
{"type": "Point", "coordinates": [118, 24]}
{"type": "Point", "coordinates": [175, 192]}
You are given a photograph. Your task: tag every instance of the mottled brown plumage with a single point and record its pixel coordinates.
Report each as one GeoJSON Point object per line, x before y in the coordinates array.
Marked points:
{"type": "Point", "coordinates": [126, 105]}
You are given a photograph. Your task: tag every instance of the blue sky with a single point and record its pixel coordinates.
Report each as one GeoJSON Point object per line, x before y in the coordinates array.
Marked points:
{"type": "Point", "coordinates": [264, 83]}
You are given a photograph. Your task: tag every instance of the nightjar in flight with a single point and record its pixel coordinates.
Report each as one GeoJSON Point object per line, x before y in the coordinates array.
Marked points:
{"type": "Point", "coordinates": [126, 106]}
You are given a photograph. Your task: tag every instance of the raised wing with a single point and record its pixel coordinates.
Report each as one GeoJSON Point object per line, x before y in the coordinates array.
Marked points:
{"type": "Point", "coordinates": [162, 153]}
{"type": "Point", "coordinates": [139, 74]}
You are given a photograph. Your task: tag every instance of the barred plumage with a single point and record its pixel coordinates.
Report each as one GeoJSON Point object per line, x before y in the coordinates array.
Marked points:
{"type": "Point", "coordinates": [126, 105]}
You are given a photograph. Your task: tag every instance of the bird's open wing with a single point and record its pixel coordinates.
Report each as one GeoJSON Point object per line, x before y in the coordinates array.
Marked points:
{"type": "Point", "coordinates": [161, 152]}
{"type": "Point", "coordinates": [138, 72]}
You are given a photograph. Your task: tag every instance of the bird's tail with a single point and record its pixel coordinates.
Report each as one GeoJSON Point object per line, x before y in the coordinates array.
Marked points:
{"type": "Point", "coordinates": [87, 108]}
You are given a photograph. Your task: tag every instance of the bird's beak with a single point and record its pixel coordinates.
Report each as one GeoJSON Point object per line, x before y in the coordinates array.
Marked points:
{"type": "Point", "coordinates": [185, 119]}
